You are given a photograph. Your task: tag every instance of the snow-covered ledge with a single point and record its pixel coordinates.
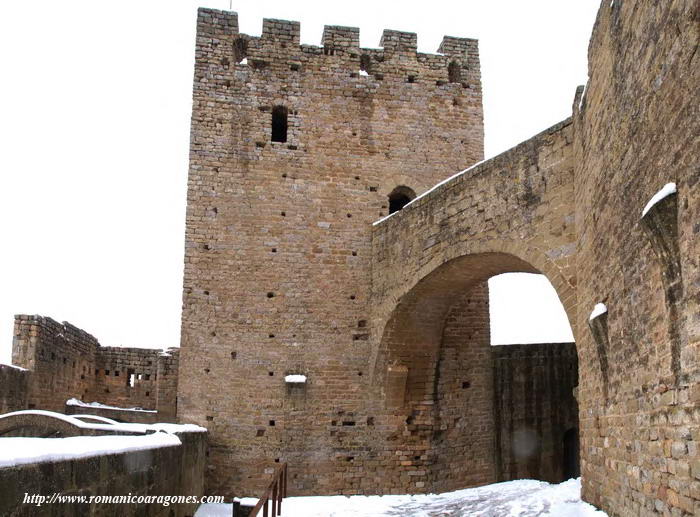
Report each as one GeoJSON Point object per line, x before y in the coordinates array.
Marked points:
{"type": "Point", "coordinates": [22, 451]}
{"type": "Point", "coordinates": [97, 405]}
{"type": "Point", "coordinates": [149, 460]}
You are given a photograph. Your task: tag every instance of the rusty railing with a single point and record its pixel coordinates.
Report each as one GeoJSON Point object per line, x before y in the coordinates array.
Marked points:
{"type": "Point", "coordinates": [275, 492]}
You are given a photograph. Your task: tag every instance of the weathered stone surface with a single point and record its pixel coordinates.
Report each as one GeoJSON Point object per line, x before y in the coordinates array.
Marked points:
{"type": "Point", "coordinates": [65, 362]}
{"type": "Point", "coordinates": [14, 386]}
{"type": "Point", "coordinates": [279, 241]}
{"type": "Point", "coordinates": [160, 471]}
{"type": "Point", "coordinates": [284, 275]}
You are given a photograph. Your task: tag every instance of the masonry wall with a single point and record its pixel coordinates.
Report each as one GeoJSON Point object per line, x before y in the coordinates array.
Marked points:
{"type": "Point", "coordinates": [278, 239]}
{"type": "Point", "coordinates": [512, 213]}
{"type": "Point", "coordinates": [536, 414]}
{"type": "Point", "coordinates": [13, 388]}
{"type": "Point", "coordinates": [278, 244]}
{"type": "Point", "coordinates": [160, 471]}
{"type": "Point", "coordinates": [66, 362]}
{"type": "Point", "coordinates": [462, 441]}
{"type": "Point", "coordinates": [60, 357]}
{"type": "Point", "coordinates": [636, 130]}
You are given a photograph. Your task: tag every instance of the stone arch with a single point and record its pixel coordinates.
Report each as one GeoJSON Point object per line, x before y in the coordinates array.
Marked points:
{"type": "Point", "coordinates": [416, 311]}
{"type": "Point", "coordinates": [435, 371]}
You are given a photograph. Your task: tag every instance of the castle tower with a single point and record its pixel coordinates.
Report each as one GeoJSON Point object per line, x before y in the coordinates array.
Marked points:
{"type": "Point", "coordinates": [295, 151]}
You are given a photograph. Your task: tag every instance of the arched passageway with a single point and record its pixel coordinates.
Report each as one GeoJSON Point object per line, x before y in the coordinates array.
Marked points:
{"type": "Point", "coordinates": [484, 413]}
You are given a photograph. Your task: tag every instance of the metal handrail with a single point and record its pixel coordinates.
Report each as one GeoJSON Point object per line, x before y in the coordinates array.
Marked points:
{"type": "Point", "coordinates": [275, 492]}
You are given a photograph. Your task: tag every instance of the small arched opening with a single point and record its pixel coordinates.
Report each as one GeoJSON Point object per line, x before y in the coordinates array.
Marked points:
{"type": "Point", "coordinates": [280, 116]}
{"type": "Point", "coordinates": [400, 197]}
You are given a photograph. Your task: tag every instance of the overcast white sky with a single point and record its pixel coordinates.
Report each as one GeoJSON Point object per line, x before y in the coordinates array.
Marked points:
{"type": "Point", "coordinates": [95, 102]}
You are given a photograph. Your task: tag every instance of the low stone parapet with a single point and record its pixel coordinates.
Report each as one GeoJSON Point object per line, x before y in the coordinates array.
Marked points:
{"type": "Point", "coordinates": [92, 459]}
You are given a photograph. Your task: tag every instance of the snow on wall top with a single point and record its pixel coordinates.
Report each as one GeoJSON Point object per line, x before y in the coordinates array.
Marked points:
{"type": "Point", "coordinates": [600, 308]}
{"type": "Point", "coordinates": [120, 427]}
{"type": "Point", "coordinates": [460, 173]}
{"type": "Point", "coordinates": [13, 366]}
{"type": "Point", "coordinates": [666, 190]}
{"type": "Point", "coordinates": [80, 403]}
{"type": "Point", "coordinates": [21, 451]}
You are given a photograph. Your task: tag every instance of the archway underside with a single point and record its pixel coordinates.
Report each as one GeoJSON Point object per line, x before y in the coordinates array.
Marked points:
{"type": "Point", "coordinates": [482, 413]}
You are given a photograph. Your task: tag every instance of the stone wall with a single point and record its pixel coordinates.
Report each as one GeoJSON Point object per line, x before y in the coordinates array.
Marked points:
{"type": "Point", "coordinates": [284, 274]}
{"type": "Point", "coordinates": [637, 129]}
{"type": "Point", "coordinates": [66, 362]}
{"type": "Point", "coordinates": [14, 387]}
{"type": "Point", "coordinates": [60, 357]}
{"type": "Point", "coordinates": [279, 237]}
{"type": "Point", "coordinates": [513, 213]}
{"type": "Point", "coordinates": [462, 442]}
{"type": "Point", "coordinates": [536, 414]}
{"type": "Point", "coordinates": [159, 471]}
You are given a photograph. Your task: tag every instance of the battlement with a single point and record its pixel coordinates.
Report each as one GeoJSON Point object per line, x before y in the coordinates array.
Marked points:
{"type": "Point", "coordinates": [336, 36]}
{"type": "Point", "coordinates": [398, 41]}
{"type": "Point", "coordinates": [279, 47]}
{"type": "Point", "coordinates": [280, 31]}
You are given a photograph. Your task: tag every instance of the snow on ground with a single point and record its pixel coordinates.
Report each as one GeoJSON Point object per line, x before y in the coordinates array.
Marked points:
{"type": "Point", "coordinates": [521, 498]}
{"type": "Point", "coordinates": [20, 451]}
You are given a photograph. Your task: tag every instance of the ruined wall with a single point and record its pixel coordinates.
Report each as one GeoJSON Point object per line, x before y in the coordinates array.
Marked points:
{"type": "Point", "coordinates": [13, 388]}
{"type": "Point", "coordinates": [637, 129]}
{"type": "Point", "coordinates": [125, 376]}
{"type": "Point", "coordinates": [278, 240]}
{"type": "Point", "coordinates": [60, 357]}
{"type": "Point", "coordinates": [536, 414]}
{"type": "Point", "coordinates": [66, 362]}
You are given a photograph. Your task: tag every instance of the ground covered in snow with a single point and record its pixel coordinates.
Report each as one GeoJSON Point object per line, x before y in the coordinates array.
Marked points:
{"type": "Point", "coordinates": [522, 498]}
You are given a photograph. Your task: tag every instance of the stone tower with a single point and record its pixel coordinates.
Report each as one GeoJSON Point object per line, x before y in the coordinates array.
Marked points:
{"type": "Point", "coordinates": [295, 151]}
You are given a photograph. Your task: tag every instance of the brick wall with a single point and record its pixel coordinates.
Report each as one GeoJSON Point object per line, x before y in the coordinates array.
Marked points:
{"type": "Point", "coordinates": [60, 356]}
{"type": "Point", "coordinates": [125, 376]}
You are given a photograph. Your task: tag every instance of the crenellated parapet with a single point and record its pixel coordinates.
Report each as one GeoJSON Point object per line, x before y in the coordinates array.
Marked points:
{"type": "Point", "coordinates": [278, 49]}
{"type": "Point", "coordinates": [340, 38]}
